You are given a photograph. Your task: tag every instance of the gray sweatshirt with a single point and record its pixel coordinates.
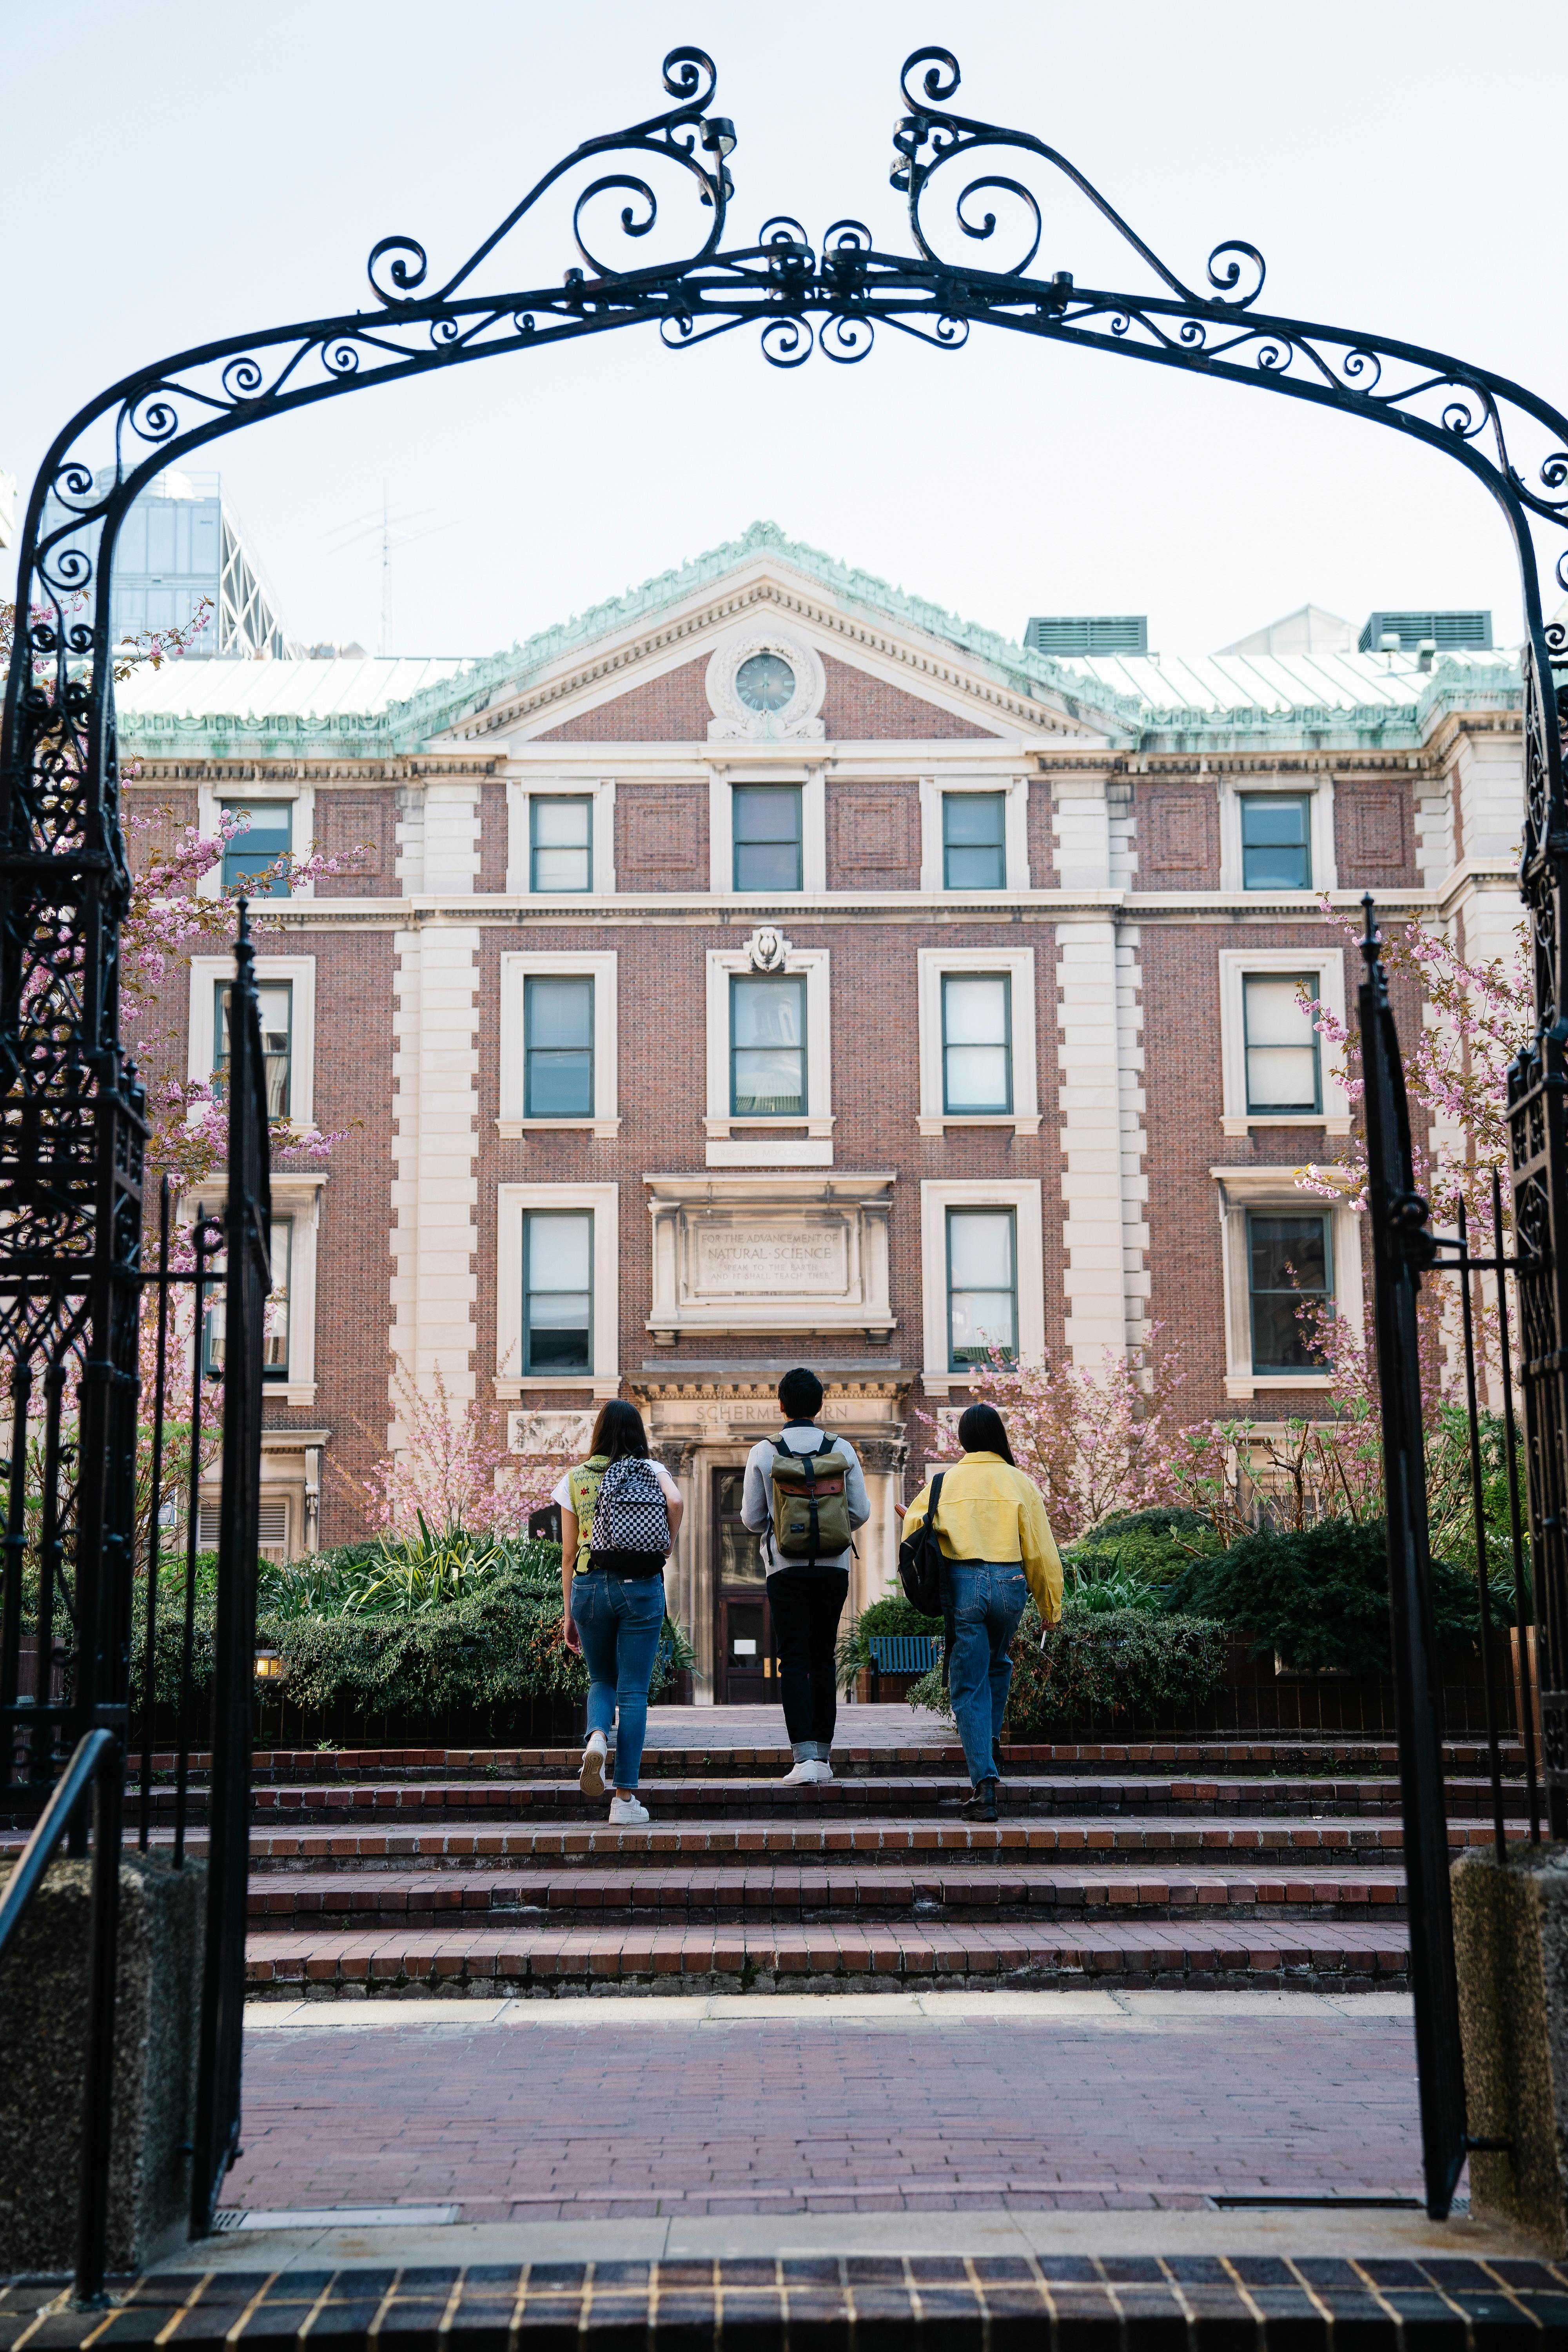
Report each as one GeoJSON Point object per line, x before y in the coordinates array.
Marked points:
{"type": "Point", "coordinates": [757, 1500]}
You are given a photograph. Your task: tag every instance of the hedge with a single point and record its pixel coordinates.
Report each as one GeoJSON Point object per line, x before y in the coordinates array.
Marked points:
{"type": "Point", "coordinates": [498, 1646]}
{"type": "Point", "coordinates": [1097, 1663]}
{"type": "Point", "coordinates": [1320, 1596]}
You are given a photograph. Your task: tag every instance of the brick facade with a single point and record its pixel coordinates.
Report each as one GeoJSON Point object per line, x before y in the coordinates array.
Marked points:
{"type": "Point", "coordinates": [1116, 884]}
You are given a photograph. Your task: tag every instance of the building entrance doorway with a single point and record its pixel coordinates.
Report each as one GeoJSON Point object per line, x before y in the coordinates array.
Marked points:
{"type": "Point", "coordinates": [742, 1633]}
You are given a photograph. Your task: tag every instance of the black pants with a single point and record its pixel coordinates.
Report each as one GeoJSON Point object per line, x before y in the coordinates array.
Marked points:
{"type": "Point", "coordinates": [805, 1614]}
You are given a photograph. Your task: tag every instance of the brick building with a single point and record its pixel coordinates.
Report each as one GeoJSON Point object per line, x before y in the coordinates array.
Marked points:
{"type": "Point", "coordinates": [767, 966]}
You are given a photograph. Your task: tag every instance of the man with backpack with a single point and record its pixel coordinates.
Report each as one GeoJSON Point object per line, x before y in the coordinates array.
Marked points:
{"type": "Point", "coordinates": [805, 1495]}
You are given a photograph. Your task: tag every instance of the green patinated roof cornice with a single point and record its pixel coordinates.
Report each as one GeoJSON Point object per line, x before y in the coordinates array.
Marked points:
{"type": "Point", "coordinates": [1129, 721]}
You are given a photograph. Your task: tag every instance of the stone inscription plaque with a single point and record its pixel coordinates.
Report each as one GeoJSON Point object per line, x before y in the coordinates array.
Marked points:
{"type": "Point", "coordinates": [769, 1261]}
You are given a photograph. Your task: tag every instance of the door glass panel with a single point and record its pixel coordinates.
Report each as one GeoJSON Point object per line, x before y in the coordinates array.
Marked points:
{"type": "Point", "coordinates": [740, 1551]}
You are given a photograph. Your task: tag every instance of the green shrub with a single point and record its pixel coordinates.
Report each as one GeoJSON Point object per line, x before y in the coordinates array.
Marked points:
{"type": "Point", "coordinates": [1318, 1596]}
{"type": "Point", "coordinates": [404, 1576]}
{"type": "Point", "coordinates": [499, 1645]}
{"type": "Point", "coordinates": [1153, 1546]}
{"type": "Point", "coordinates": [1101, 1664]}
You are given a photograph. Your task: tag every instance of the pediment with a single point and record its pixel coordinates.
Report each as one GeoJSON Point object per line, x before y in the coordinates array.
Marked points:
{"type": "Point", "coordinates": [641, 671]}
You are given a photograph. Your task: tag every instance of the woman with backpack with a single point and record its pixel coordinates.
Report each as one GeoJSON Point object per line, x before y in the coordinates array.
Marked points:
{"type": "Point", "coordinates": [620, 1513]}
{"type": "Point", "coordinates": [997, 1549]}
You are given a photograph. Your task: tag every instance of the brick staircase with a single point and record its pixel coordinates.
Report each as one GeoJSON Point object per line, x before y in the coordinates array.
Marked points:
{"type": "Point", "coordinates": [1182, 1863]}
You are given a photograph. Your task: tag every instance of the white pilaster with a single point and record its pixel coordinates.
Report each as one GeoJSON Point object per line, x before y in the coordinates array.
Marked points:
{"type": "Point", "coordinates": [1092, 1142]}
{"type": "Point", "coordinates": [1132, 1105]}
{"type": "Point", "coordinates": [451, 838]}
{"type": "Point", "coordinates": [434, 1189]}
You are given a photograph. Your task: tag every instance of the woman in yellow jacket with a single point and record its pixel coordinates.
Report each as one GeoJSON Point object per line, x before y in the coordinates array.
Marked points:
{"type": "Point", "coordinates": [996, 1548]}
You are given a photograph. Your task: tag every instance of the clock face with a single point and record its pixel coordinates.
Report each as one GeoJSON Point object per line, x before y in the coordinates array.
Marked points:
{"type": "Point", "coordinates": [765, 682]}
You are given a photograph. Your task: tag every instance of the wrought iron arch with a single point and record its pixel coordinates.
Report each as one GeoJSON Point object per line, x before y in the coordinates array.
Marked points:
{"type": "Point", "coordinates": [70, 1126]}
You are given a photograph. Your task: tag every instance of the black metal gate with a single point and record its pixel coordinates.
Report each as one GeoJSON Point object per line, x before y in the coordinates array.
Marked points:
{"type": "Point", "coordinates": [70, 1130]}
{"type": "Point", "coordinates": [70, 1563]}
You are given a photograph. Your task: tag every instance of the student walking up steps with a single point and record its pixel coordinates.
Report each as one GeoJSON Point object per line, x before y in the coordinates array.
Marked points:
{"type": "Point", "coordinates": [805, 1495]}
{"type": "Point", "coordinates": [997, 1547]}
{"type": "Point", "coordinates": [620, 1513]}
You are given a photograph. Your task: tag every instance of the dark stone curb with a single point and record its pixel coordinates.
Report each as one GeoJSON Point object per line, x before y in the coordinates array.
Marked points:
{"type": "Point", "coordinates": [859, 2303]}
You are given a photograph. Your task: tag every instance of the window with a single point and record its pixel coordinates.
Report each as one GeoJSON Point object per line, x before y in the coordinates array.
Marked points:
{"type": "Point", "coordinates": [274, 1315]}
{"type": "Point", "coordinates": [976, 1042]}
{"type": "Point", "coordinates": [982, 1285]}
{"type": "Point", "coordinates": [558, 1051]}
{"type": "Point", "coordinates": [276, 998]}
{"type": "Point", "coordinates": [560, 842]}
{"type": "Point", "coordinates": [974, 841]}
{"type": "Point", "coordinates": [1281, 1044]}
{"type": "Point", "coordinates": [767, 1046]}
{"type": "Point", "coordinates": [1288, 1267]}
{"type": "Point", "coordinates": [266, 839]}
{"type": "Point", "coordinates": [1276, 840]}
{"type": "Point", "coordinates": [767, 836]}
{"type": "Point", "coordinates": [557, 1291]}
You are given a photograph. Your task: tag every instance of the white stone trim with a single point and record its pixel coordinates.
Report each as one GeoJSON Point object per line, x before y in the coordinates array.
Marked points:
{"type": "Point", "coordinates": [809, 781]}
{"type": "Point", "coordinates": [800, 721]}
{"type": "Point", "coordinates": [435, 1182]}
{"type": "Point", "coordinates": [451, 845]}
{"type": "Point", "coordinates": [1236, 1189]}
{"type": "Point", "coordinates": [520, 791]}
{"type": "Point", "coordinates": [206, 971]}
{"type": "Point", "coordinates": [1018, 964]}
{"type": "Point", "coordinates": [936, 1198]}
{"type": "Point", "coordinates": [1318, 790]}
{"type": "Point", "coordinates": [763, 1150]}
{"type": "Point", "coordinates": [516, 969]}
{"type": "Point", "coordinates": [690, 1296]}
{"type": "Point", "coordinates": [511, 1201]}
{"type": "Point", "coordinates": [297, 1196]}
{"type": "Point", "coordinates": [210, 798]}
{"type": "Point", "coordinates": [1234, 965]}
{"type": "Point", "coordinates": [1090, 1097]}
{"type": "Point", "coordinates": [1131, 1105]}
{"type": "Point", "coordinates": [1014, 828]}
{"type": "Point", "coordinates": [1080, 831]}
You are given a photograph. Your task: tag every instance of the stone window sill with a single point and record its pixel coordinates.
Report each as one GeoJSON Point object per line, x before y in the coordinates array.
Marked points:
{"type": "Point", "coordinates": [1018, 1122]}
{"type": "Point", "coordinates": [1239, 1123]}
{"type": "Point", "coordinates": [602, 1131]}
{"type": "Point", "coordinates": [1248, 1384]}
{"type": "Point", "coordinates": [509, 1391]}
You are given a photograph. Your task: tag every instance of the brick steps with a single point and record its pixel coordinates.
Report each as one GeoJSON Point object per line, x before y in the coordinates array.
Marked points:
{"type": "Point", "coordinates": [1294, 1756]}
{"type": "Point", "coordinates": [427, 1804]}
{"type": "Point", "coordinates": [1301, 1843]}
{"type": "Point", "coordinates": [1326, 1954]}
{"type": "Point", "coordinates": [770, 1893]}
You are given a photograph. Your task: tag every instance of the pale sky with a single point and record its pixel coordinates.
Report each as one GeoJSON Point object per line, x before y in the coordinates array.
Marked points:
{"type": "Point", "coordinates": [183, 174]}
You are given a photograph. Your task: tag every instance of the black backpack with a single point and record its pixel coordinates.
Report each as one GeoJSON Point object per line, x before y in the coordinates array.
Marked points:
{"type": "Point", "coordinates": [920, 1560]}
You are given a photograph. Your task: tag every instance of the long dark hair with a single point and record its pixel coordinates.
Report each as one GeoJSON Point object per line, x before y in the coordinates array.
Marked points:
{"type": "Point", "coordinates": [619, 1432]}
{"type": "Point", "coordinates": [982, 1430]}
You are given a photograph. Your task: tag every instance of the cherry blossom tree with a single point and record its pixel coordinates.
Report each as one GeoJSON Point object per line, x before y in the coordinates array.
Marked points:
{"type": "Point", "coordinates": [454, 1470]}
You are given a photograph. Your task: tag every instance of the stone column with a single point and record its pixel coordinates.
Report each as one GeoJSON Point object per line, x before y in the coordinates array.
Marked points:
{"type": "Point", "coordinates": [873, 1574]}
{"type": "Point", "coordinates": [1511, 1949]}
{"type": "Point", "coordinates": [679, 1455]}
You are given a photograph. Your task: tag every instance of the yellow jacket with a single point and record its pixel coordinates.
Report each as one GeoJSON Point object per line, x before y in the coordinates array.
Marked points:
{"type": "Point", "coordinates": [988, 1510]}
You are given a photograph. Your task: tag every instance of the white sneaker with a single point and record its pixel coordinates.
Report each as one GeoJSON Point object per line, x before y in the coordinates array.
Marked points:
{"type": "Point", "coordinates": [627, 1814]}
{"type": "Point", "coordinates": [591, 1779]}
{"type": "Point", "coordinates": [821, 1770]}
{"type": "Point", "coordinates": [807, 1774]}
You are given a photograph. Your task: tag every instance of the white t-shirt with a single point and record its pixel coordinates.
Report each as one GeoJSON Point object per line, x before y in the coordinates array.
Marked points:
{"type": "Point", "coordinates": [561, 1494]}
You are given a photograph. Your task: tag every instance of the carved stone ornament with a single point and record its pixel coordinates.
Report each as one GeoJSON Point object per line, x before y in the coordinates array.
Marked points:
{"type": "Point", "coordinates": [767, 950]}
{"type": "Point", "coordinates": [553, 1435]}
{"type": "Point", "coordinates": [765, 685]}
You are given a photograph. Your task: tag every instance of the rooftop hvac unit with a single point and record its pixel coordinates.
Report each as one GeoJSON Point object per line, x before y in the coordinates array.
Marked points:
{"type": "Point", "coordinates": [1088, 632]}
{"type": "Point", "coordinates": [1449, 632]}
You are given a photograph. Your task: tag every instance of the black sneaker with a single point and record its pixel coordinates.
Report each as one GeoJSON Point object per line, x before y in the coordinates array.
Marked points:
{"type": "Point", "coordinates": [982, 1806]}
{"type": "Point", "coordinates": [996, 1766]}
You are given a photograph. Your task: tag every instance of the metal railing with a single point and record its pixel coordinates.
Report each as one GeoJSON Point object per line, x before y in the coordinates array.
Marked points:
{"type": "Point", "coordinates": [70, 1554]}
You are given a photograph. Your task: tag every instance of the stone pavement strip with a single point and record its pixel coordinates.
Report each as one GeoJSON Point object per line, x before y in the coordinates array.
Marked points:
{"type": "Point", "coordinates": [629, 2108]}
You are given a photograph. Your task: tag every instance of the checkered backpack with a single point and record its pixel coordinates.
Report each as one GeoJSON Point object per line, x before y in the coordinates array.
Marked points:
{"type": "Point", "coordinates": [630, 1515]}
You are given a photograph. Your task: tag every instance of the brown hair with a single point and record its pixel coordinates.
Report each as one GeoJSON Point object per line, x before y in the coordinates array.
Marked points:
{"type": "Point", "coordinates": [619, 1432]}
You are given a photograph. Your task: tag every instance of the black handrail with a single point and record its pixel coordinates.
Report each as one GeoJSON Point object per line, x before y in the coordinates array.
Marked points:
{"type": "Point", "coordinates": [50, 1829]}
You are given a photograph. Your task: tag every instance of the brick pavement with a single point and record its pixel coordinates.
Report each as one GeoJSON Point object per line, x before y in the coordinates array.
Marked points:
{"type": "Point", "coordinates": [581, 2121]}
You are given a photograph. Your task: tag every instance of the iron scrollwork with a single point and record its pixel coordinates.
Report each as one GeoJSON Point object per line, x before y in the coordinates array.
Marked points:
{"type": "Point", "coordinates": [71, 1129]}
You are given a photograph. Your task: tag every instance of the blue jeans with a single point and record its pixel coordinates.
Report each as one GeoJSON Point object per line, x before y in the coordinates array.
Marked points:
{"type": "Point", "coordinates": [987, 1602]}
{"type": "Point", "coordinates": [618, 1621]}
